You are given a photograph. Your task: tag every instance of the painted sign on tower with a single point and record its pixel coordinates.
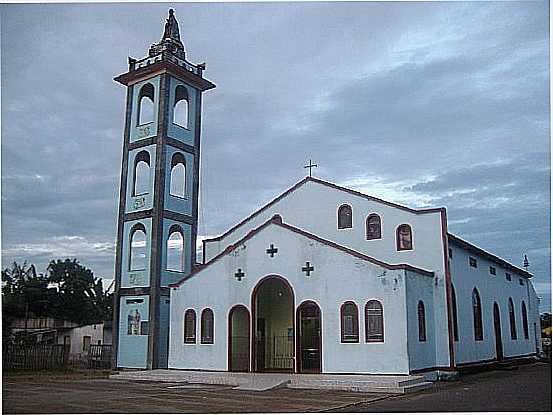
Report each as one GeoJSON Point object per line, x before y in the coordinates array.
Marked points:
{"type": "Point", "coordinates": [158, 200]}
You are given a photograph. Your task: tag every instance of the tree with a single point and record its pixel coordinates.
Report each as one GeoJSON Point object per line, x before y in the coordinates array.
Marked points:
{"type": "Point", "coordinates": [81, 296]}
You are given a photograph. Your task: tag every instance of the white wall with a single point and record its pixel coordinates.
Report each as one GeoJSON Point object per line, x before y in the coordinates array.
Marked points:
{"type": "Point", "coordinates": [313, 207]}
{"type": "Point", "coordinates": [422, 354]}
{"type": "Point", "coordinates": [95, 331]}
{"type": "Point", "coordinates": [338, 277]}
{"type": "Point", "coordinates": [492, 288]}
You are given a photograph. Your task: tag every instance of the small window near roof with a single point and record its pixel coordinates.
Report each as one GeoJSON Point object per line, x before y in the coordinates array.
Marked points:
{"type": "Point", "coordinates": [472, 262]}
{"type": "Point", "coordinates": [344, 217]}
{"type": "Point", "coordinates": [508, 276]}
{"type": "Point", "coordinates": [404, 238]}
{"type": "Point", "coordinates": [520, 281]}
{"type": "Point", "coordinates": [450, 252]}
{"type": "Point", "coordinates": [374, 230]}
{"type": "Point", "coordinates": [492, 271]}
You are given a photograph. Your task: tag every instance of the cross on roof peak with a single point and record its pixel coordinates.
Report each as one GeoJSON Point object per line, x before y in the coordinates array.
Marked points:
{"type": "Point", "coordinates": [310, 166]}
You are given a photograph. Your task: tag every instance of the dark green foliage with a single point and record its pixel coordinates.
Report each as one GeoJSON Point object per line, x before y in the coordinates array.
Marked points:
{"type": "Point", "coordinates": [67, 291]}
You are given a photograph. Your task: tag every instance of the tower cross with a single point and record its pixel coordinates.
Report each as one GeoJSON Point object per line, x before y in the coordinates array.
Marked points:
{"type": "Point", "coordinates": [310, 166]}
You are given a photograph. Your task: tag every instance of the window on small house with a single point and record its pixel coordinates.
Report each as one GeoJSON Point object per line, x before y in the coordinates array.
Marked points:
{"type": "Point", "coordinates": [178, 176]}
{"type": "Point", "coordinates": [450, 253]}
{"type": "Point", "coordinates": [454, 314]}
{"type": "Point", "coordinates": [190, 326]}
{"type": "Point", "coordinates": [137, 260]}
{"type": "Point", "coordinates": [207, 326]}
{"type": "Point", "coordinates": [422, 321]}
{"type": "Point", "coordinates": [141, 173]}
{"type": "Point", "coordinates": [508, 276]}
{"type": "Point", "coordinates": [520, 281]}
{"type": "Point", "coordinates": [146, 104]}
{"type": "Point", "coordinates": [524, 320]}
{"type": "Point", "coordinates": [374, 229]}
{"type": "Point", "coordinates": [86, 343]}
{"type": "Point", "coordinates": [512, 321]}
{"type": "Point", "coordinates": [404, 238]}
{"type": "Point", "coordinates": [492, 271]}
{"type": "Point", "coordinates": [477, 315]}
{"type": "Point", "coordinates": [181, 107]}
{"type": "Point", "coordinates": [344, 217]}
{"type": "Point", "coordinates": [350, 322]}
{"type": "Point", "coordinates": [472, 262]}
{"type": "Point", "coordinates": [374, 322]}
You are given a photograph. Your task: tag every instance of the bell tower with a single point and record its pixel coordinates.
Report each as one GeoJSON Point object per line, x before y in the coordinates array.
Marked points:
{"type": "Point", "coordinates": [158, 199]}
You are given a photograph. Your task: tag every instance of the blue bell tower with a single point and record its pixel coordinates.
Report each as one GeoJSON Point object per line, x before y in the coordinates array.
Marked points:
{"type": "Point", "coordinates": [158, 199]}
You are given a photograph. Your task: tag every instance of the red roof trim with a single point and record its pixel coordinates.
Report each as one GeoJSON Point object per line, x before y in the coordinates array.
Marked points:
{"type": "Point", "coordinates": [494, 258]}
{"type": "Point", "coordinates": [278, 221]}
{"type": "Point", "coordinates": [325, 183]}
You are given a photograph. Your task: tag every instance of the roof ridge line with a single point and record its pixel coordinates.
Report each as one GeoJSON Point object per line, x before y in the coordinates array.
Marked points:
{"type": "Point", "coordinates": [324, 183]}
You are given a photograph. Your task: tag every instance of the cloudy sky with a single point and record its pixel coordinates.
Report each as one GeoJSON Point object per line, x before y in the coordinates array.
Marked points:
{"type": "Point", "coordinates": [425, 104]}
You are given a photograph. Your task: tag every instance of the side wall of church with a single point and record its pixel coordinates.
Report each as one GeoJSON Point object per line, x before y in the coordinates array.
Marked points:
{"type": "Point", "coordinates": [491, 288]}
{"type": "Point", "coordinates": [338, 277]}
{"type": "Point", "coordinates": [422, 351]}
{"type": "Point", "coordinates": [314, 207]}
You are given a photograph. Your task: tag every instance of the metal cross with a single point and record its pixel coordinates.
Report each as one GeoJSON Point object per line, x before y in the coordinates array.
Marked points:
{"type": "Point", "coordinates": [239, 274]}
{"type": "Point", "coordinates": [310, 166]}
{"type": "Point", "coordinates": [308, 269]}
{"type": "Point", "coordinates": [272, 250]}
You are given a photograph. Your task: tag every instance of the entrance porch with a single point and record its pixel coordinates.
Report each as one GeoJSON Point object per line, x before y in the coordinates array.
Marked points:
{"type": "Point", "coordinates": [397, 384]}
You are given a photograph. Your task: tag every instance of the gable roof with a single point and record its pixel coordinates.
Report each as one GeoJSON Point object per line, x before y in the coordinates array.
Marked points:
{"type": "Point", "coordinates": [491, 257]}
{"type": "Point", "coordinates": [277, 220]}
{"type": "Point", "coordinates": [328, 184]}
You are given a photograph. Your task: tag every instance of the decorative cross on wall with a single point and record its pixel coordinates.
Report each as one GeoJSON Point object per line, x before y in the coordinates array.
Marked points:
{"type": "Point", "coordinates": [239, 274]}
{"type": "Point", "coordinates": [272, 250]}
{"type": "Point", "coordinates": [308, 269]}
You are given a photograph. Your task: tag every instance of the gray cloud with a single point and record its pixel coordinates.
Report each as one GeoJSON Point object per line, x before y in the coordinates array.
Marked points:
{"type": "Point", "coordinates": [420, 103]}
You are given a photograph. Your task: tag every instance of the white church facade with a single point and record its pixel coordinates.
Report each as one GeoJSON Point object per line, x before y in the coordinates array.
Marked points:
{"type": "Point", "coordinates": [323, 279]}
{"type": "Point", "coordinates": [328, 280]}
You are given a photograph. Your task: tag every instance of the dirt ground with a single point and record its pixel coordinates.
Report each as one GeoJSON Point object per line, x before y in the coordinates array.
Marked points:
{"type": "Point", "coordinates": [527, 388]}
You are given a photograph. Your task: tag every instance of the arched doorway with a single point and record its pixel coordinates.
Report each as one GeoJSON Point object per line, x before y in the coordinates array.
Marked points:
{"type": "Point", "coordinates": [497, 330]}
{"type": "Point", "coordinates": [309, 341]}
{"type": "Point", "coordinates": [239, 339]}
{"type": "Point", "coordinates": [273, 325]}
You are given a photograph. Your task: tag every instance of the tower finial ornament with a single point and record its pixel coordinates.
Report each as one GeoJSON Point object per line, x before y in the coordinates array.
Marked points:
{"type": "Point", "coordinates": [171, 27]}
{"type": "Point", "coordinates": [170, 41]}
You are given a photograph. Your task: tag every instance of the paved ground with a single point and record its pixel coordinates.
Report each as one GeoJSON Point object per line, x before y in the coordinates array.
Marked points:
{"type": "Point", "coordinates": [121, 396]}
{"type": "Point", "coordinates": [528, 388]}
{"type": "Point", "coordinates": [525, 389]}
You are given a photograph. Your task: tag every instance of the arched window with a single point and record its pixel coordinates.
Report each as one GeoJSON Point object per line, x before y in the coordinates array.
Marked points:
{"type": "Point", "coordinates": [207, 326]}
{"type": "Point", "coordinates": [512, 319]}
{"type": "Point", "coordinates": [524, 320]}
{"type": "Point", "coordinates": [374, 322]}
{"type": "Point", "coordinates": [454, 314]}
{"type": "Point", "coordinates": [137, 261]}
{"type": "Point", "coordinates": [422, 321]}
{"type": "Point", "coordinates": [477, 315]}
{"type": "Point", "coordinates": [374, 229]}
{"type": "Point", "coordinates": [344, 217]}
{"type": "Point", "coordinates": [349, 317]}
{"type": "Point", "coordinates": [180, 107]}
{"type": "Point", "coordinates": [178, 176]}
{"type": "Point", "coordinates": [404, 238]}
{"type": "Point", "coordinates": [141, 174]}
{"type": "Point", "coordinates": [146, 104]}
{"type": "Point", "coordinates": [190, 326]}
{"type": "Point", "coordinates": [175, 249]}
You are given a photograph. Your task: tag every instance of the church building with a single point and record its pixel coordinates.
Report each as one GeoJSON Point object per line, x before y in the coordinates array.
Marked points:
{"type": "Point", "coordinates": [322, 279]}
